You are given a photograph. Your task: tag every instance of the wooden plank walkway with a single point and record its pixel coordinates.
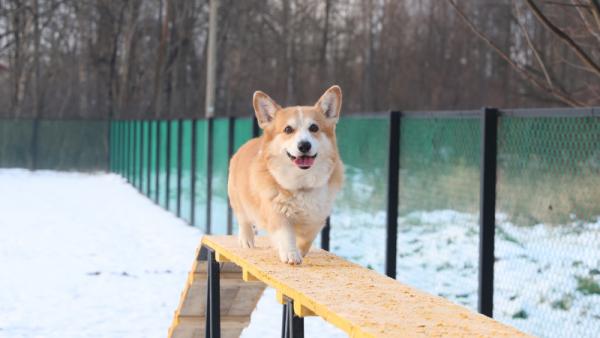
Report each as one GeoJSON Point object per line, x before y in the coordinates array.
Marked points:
{"type": "Point", "coordinates": [361, 302]}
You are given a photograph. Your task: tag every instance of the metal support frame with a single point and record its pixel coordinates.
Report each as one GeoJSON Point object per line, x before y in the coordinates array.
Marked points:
{"type": "Point", "coordinates": [179, 164]}
{"type": "Point", "coordinates": [487, 221]}
{"type": "Point", "coordinates": [213, 297]}
{"type": "Point", "coordinates": [292, 326]}
{"type": "Point", "coordinates": [193, 175]}
{"type": "Point", "coordinates": [392, 195]}
{"type": "Point", "coordinates": [325, 234]}
{"type": "Point", "coordinates": [209, 169]}
{"type": "Point", "coordinates": [230, 148]}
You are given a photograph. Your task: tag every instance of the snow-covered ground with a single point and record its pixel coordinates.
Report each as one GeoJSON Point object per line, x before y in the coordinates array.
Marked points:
{"type": "Point", "coordinates": [86, 255]}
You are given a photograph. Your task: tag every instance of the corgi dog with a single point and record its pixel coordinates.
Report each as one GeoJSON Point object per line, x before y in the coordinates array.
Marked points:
{"type": "Point", "coordinates": [286, 180]}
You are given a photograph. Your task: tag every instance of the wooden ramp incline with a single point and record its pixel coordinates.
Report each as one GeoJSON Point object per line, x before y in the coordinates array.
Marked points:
{"type": "Point", "coordinates": [361, 302]}
{"type": "Point", "coordinates": [238, 300]}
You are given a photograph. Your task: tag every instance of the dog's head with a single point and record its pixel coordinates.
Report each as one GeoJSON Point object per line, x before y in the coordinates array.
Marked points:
{"type": "Point", "coordinates": [300, 140]}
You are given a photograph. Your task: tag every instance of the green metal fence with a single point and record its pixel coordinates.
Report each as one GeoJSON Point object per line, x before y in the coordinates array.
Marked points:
{"type": "Point", "coordinates": [54, 144]}
{"type": "Point", "coordinates": [548, 164]}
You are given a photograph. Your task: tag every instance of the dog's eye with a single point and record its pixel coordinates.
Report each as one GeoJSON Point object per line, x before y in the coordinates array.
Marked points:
{"type": "Point", "coordinates": [288, 130]}
{"type": "Point", "coordinates": [313, 128]}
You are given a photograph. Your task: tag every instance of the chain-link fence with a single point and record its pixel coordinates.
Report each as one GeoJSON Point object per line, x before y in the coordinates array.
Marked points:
{"type": "Point", "coordinates": [547, 270]}
{"type": "Point", "coordinates": [438, 232]}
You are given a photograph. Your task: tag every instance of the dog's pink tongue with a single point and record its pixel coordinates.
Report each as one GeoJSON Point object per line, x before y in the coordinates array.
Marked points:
{"type": "Point", "coordinates": [304, 161]}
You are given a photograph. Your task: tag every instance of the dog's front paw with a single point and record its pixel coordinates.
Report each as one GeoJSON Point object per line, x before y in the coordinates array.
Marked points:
{"type": "Point", "coordinates": [246, 239]}
{"type": "Point", "coordinates": [292, 256]}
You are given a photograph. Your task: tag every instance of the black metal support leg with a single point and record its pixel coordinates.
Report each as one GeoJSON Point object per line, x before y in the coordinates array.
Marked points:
{"type": "Point", "coordinates": [213, 302]}
{"type": "Point", "coordinates": [292, 326]}
{"type": "Point", "coordinates": [284, 325]}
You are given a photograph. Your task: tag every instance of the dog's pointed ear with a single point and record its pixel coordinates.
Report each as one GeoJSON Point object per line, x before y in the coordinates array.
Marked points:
{"type": "Point", "coordinates": [264, 108]}
{"type": "Point", "coordinates": [331, 103]}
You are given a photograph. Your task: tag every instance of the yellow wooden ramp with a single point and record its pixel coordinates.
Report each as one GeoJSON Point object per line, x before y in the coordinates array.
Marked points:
{"type": "Point", "coordinates": [238, 300]}
{"type": "Point", "coordinates": [361, 302]}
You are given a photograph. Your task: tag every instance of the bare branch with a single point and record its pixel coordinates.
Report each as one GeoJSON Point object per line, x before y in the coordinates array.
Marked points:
{"type": "Point", "coordinates": [585, 58]}
{"type": "Point", "coordinates": [531, 46]}
{"type": "Point", "coordinates": [586, 22]}
{"type": "Point", "coordinates": [596, 11]}
{"type": "Point", "coordinates": [564, 97]}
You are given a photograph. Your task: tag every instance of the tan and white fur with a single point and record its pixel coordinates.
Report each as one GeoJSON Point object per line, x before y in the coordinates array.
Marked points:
{"type": "Point", "coordinates": [285, 181]}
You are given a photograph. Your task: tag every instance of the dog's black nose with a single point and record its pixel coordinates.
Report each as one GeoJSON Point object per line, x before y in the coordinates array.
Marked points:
{"type": "Point", "coordinates": [304, 146]}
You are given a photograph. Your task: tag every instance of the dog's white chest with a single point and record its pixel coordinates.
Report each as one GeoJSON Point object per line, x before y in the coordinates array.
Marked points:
{"type": "Point", "coordinates": [310, 205]}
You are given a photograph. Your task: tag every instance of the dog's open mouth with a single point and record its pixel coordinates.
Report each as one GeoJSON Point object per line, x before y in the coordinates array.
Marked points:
{"type": "Point", "coordinates": [304, 161]}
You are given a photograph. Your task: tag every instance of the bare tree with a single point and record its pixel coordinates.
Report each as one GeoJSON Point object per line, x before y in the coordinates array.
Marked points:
{"type": "Point", "coordinates": [540, 69]}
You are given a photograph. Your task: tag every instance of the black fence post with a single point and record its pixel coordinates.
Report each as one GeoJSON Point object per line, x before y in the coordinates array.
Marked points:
{"type": "Point", "coordinates": [209, 169]}
{"type": "Point", "coordinates": [325, 234]}
{"type": "Point", "coordinates": [131, 151]}
{"type": "Point", "coordinates": [115, 147]}
{"type": "Point", "coordinates": [230, 146]}
{"type": "Point", "coordinates": [149, 160]}
{"type": "Point", "coordinates": [487, 217]}
{"type": "Point", "coordinates": [193, 173]}
{"type": "Point", "coordinates": [135, 153]}
{"type": "Point", "coordinates": [179, 163]}
{"type": "Point", "coordinates": [168, 165]}
{"type": "Point", "coordinates": [392, 195]}
{"type": "Point", "coordinates": [126, 150]}
{"type": "Point", "coordinates": [109, 143]}
{"type": "Point", "coordinates": [133, 147]}
{"type": "Point", "coordinates": [141, 151]}
{"type": "Point", "coordinates": [120, 148]}
{"type": "Point", "coordinates": [255, 128]}
{"type": "Point", "coordinates": [157, 164]}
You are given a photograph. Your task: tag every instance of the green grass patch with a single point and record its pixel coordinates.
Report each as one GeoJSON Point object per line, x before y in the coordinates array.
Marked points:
{"type": "Point", "coordinates": [564, 303]}
{"type": "Point", "coordinates": [521, 314]}
{"type": "Point", "coordinates": [587, 285]}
